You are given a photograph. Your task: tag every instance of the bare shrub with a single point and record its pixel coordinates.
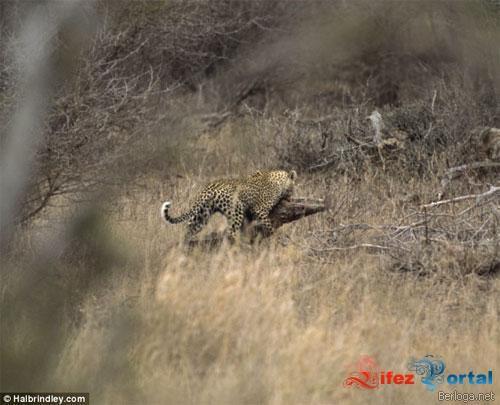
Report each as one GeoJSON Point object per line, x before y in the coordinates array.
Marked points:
{"type": "Point", "coordinates": [439, 124]}
{"type": "Point", "coordinates": [186, 42]}
{"type": "Point", "coordinates": [119, 93]}
{"type": "Point", "coordinates": [117, 98]}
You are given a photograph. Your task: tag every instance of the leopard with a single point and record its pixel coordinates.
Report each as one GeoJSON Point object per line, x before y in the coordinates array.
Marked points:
{"type": "Point", "coordinates": [238, 199]}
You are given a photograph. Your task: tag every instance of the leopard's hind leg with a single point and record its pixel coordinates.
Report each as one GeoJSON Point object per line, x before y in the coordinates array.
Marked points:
{"type": "Point", "coordinates": [198, 220]}
{"type": "Point", "coordinates": [231, 207]}
{"type": "Point", "coordinates": [236, 220]}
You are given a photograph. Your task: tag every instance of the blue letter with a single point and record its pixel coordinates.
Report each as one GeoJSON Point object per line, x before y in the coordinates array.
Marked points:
{"type": "Point", "coordinates": [431, 368]}
{"type": "Point", "coordinates": [452, 379]}
{"type": "Point", "coordinates": [470, 376]}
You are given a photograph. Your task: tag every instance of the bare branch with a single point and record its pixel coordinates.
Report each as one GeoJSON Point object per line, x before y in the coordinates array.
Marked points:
{"type": "Point", "coordinates": [488, 193]}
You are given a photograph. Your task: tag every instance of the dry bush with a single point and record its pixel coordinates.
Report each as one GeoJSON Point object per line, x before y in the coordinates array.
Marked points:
{"type": "Point", "coordinates": [188, 41]}
{"type": "Point", "coordinates": [107, 122]}
{"type": "Point", "coordinates": [436, 126]}
{"type": "Point", "coordinates": [120, 99]}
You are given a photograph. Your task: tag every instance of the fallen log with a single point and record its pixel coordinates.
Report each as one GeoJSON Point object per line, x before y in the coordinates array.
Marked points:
{"type": "Point", "coordinates": [295, 208]}
{"type": "Point", "coordinates": [286, 211]}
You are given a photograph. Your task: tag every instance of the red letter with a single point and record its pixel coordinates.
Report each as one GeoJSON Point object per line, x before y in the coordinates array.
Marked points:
{"type": "Point", "coordinates": [409, 379]}
{"type": "Point", "coordinates": [399, 379]}
{"type": "Point", "coordinates": [389, 377]}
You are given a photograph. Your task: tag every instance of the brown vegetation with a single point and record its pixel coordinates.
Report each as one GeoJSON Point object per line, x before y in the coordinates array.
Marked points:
{"type": "Point", "coordinates": [127, 104]}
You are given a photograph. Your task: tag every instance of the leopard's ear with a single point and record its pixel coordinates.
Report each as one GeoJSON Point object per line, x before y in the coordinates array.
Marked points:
{"type": "Point", "coordinates": [292, 174]}
{"type": "Point", "coordinates": [257, 173]}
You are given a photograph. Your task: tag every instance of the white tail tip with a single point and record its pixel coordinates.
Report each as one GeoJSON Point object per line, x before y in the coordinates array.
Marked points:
{"type": "Point", "coordinates": [164, 208]}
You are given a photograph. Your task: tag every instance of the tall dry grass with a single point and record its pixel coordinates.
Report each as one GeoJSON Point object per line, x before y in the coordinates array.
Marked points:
{"type": "Point", "coordinates": [101, 296]}
{"type": "Point", "coordinates": [275, 323]}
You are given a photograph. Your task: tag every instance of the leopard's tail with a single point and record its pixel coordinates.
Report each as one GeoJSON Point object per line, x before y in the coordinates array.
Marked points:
{"type": "Point", "coordinates": [173, 220]}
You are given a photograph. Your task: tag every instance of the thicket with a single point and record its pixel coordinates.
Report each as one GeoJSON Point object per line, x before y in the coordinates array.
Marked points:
{"type": "Point", "coordinates": [154, 74]}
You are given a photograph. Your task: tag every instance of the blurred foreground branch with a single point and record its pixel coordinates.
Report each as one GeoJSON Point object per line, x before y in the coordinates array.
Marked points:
{"type": "Point", "coordinates": [38, 75]}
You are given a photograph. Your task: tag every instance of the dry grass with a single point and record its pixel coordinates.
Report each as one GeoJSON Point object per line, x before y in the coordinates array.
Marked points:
{"type": "Point", "coordinates": [274, 324]}
{"type": "Point", "coordinates": [100, 296]}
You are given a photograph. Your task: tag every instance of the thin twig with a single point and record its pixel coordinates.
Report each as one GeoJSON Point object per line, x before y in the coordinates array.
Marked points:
{"type": "Point", "coordinates": [358, 246]}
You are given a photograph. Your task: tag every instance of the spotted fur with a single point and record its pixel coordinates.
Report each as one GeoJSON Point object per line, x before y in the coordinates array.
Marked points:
{"type": "Point", "coordinates": [252, 197]}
